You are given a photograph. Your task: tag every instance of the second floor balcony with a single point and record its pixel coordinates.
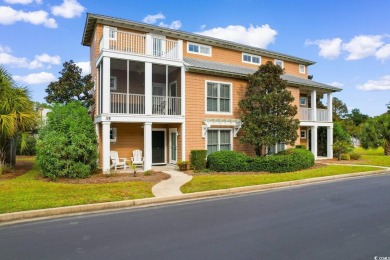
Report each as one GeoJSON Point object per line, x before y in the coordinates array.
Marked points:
{"type": "Point", "coordinates": [141, 44]}
{"type": "Point", "coordinates": [307, 114]}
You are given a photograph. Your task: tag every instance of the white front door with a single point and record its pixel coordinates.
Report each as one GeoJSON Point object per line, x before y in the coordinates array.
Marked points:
{"type": "Point", "coordinates": [172, 145]}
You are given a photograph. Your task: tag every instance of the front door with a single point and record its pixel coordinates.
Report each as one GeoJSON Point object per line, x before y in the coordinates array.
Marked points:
{"type": "Point", "coordinates": [158, 147]}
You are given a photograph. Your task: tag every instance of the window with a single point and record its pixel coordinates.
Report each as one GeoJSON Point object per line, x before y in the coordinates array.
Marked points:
{"type": "Point", "coordinates": [112, 33]}
{"type": "Point", "coordinates": [113, 83]}
{"type": "Point", "coordinates": [218, 140]}
{"type": "Point", "coordinates": [274, 149]}
{"type": "Point", "coordinates": [302, 69]}
{"type": "Point", "coordinates": [249, 58]}
{"type": "Point", "coordinates": [303, 101]}
{"type": "Point", "coordinates": [113, 134]}
{"type": "Point", "coordinates": [199, 49]}
{"type": "Point", "coordinates": [279, 63]}
{"type": "Point", "coordinates": [218, 97]}
{"type": "Point", "coordinates": [303, 134]}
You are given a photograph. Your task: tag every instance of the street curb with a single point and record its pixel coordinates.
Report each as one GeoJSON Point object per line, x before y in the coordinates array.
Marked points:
{"type": "Point", "coordinates": [32, 215]}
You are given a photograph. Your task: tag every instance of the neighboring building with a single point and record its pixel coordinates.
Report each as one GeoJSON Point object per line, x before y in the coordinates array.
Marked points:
{"type": "Point", "coordinates": [168, 92]}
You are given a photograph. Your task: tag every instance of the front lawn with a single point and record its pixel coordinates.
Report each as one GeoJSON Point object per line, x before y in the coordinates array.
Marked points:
{"type": "Point", "coordinates": [26, 192]}
{"type": "Point", "coordinates": [372, 157]}
{"type": "Point", "coordinates": [215, 181]}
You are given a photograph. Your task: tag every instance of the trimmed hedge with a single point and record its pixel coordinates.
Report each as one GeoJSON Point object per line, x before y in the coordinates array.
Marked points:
{"type": "Point", "coordinates": [198, 159]}
{"type": "Point", "coordinates": [286, 161]}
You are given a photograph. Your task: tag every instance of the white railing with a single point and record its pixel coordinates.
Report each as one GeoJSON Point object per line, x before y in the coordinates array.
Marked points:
{"type": "Point", "coordinates": [140, 44]}
{"type": "Point", "coordinates": [136, 104]}
{"type": "Point", "coordinates": [322, 115]}
{"type": "Point", "coordinates": [159, 105]}
{"type": "Point", "coordinates": [174, 106]}
{"type": "Point", "coordinates": [162, 107]}
{"type": "Point", "coordinates": [307, 114]}
{"type": "Point", "coordinates": [118, 103]}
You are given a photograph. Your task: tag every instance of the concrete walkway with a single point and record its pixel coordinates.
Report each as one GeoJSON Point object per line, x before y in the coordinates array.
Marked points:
{"type": "Point", "coordinates": [171, 187]}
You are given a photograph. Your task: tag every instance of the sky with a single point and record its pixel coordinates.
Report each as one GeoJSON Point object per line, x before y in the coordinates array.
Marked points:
{"type": "Point", "coordinates": [348, 40]}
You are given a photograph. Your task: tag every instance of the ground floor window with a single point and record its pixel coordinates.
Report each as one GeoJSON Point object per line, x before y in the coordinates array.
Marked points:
{"type": "Point", "coordinates": [218, 140]}
{"type": "Point", "coordinates": [113, 134]}
{"type": "Point", "coordinates": [274, 149]}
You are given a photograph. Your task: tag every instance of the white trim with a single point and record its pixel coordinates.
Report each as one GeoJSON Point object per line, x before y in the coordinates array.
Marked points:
{"type": "Point", "coordinates": [172, 130]}
{"type": "Point", "coordinates": [302, 68]}
{"type": "Point", "coordinates": [115, 87]}
{"type": "Point", "coordinates": [252, 56]}
{"type": "Point", "coordinates": [199, 46]}
{"type": "Point", "coordinates": [300, 134]}
{"type": "Point", "coordinates": [219, 137]}
{"type": "Point", "coordinates": [165, 144]}
{"type": "Point", "coordinates": [123, 118]}
{"type": "Point", "coordinates": [305, 103]}
{"type": "Point", "coordinates": [112, 29]}
{"type": "Point", "coordinates": [218, 98]}
{"type": "Point", "coordinates": [279, 61]}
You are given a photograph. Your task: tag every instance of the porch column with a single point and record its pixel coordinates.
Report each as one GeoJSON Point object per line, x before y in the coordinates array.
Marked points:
{"type": "Point", "coordinates": [148, 88]}
{"type": "Point", "coordinates": [183, 91]}
{"type": "Point", "coordinates": [106, 147]}
{"type": "Point", "coordinates": [147, 146]}
{"type": "Point", "coordinates": [314, 105]}
{"type": "Point", "coordinates": [330, 107]}
{"type": "Point", "coordinates": [329, 141]}
{"type": "Point", "coordinates": [183, 141]}
{"type": "Point", "coordinates": [106, 97]}
{"type": "Point", "coordinates": [314, 141]}
{"type": "Point", "coordinates": [148, 44]}
{"type": "Point", "coordinates": [106, 37]}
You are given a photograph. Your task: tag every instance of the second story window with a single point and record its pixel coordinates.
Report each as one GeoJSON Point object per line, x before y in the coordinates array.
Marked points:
{"type": "Point", "coordinates": [198, 49]}
{"type": "Point", "coordinates": [218, 97]}
{"type": "Point", "coordinates": [303, 101]}
{"type": "Point", "coordinates": [249, 58]}
{"type": "Point", "coordinates": [302, 69]}
{"type": "Point", "coordinates": [279, 63]}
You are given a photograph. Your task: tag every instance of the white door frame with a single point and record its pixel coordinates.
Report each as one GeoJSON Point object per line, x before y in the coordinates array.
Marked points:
{"type": "Point", "coordinates": [165, 144]}
{"type": "Point", "coordinates": [172, 130]}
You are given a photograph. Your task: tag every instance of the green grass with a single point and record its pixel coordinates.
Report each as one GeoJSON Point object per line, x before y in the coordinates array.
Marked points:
{"type": "Point", "coordinates": [27, 193]}
{"type": "Point", "coordinates": [372, 157]}
{"type": "Point", "coordinates": [215, 182]}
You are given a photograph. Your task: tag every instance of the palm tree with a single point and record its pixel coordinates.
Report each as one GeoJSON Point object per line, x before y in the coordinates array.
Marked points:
{"type": "Point", "coordinates": [17, 115]}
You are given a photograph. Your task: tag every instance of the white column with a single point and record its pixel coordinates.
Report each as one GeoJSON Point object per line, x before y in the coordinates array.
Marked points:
{"type": "Point", "coordinates": [314, 141]}
{"type": "Point", "coordinates": [330, 107]}
{"type": "Point", "coordinates": [314, 105]}
{"type": "Point", "coordinates": [106, 97]}
{"type": "Point", "coordinates": [329, 141]}
{"type": "Point", "coordinates": [106, 147]}
{"type": "Point", "coordinates": [106, 37]}
{"type": "Point", "coordinates": [147, 146]}
{"type": "Point", "coordinates": [183, 141]}
{"type": "Point", "coordinates": [180, 49]}
{"type": "Point", "coordinates": [183, 91]}
{"type": "Point", "coordinates": [148, 88]}
{"type": "Point", "coordinates": [148, 44]}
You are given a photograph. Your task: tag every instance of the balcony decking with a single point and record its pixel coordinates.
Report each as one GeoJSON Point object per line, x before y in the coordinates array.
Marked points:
{"type": "Point", "coordinates": [322, 115]}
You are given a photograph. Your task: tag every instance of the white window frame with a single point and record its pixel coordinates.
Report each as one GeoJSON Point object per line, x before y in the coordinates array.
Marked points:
{"type": "Point", "coordinates": [252, 56]}
{"type": "Point", "coordinates": [279, 61]}
{"type": "Point", "coordinates": [114, 134]}
{"type": "Point", "coordinates": [275, 147]}
{"type": "Point", "coordinates": [218, 99]}
{"type": "Point", "coordinates": [199, 46]}
{"type": "Point", "coordinates": [304, 134]}
{"type": "Point", "coordinates": [219, 137]}
{"type": "Point", "coordinates": [112, 29]}
{"type": "Point", "coordinates": [115, 87]}
{"type": "Point", "coordinates": [303, 104]}
{"type": "Point", "coordinates": [302, 69]}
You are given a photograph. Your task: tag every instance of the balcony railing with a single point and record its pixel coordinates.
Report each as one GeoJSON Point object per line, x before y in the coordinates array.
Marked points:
{"type": "Point", "coordinates": [307, 115]}
{"type": "Point", "coordinates": [141, 44]}
{"type": "Point", "coordinates": [121, 103]}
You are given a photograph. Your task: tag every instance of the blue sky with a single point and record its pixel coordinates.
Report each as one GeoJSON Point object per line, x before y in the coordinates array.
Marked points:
{"type": "Point", "coordinates": [349, 40]}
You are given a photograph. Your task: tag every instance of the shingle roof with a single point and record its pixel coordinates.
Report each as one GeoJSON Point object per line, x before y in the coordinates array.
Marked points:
{"type": "Point", "coordinates": [241, 71]}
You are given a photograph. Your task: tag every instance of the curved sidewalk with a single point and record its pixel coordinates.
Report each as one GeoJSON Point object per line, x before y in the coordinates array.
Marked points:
{"type": "Point", "coordinates": [171, 187]}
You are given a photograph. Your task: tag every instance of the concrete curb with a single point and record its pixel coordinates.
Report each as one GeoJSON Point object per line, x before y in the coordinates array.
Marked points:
{"type": "Point", "coordinates": [32, 215]}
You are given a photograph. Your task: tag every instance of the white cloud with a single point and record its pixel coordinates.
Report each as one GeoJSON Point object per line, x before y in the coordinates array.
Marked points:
{"type": "Point", "coordinates": [35, 78]}
{"type": "Point", "coordinates": [202, 27]}
{"type": "Point", "coordinates": [152, 18]}
{"type": "Point", "coordinates": [46, 58]}
{"type": "Point", "coordinates": [336, 84]}
{"type": "Point", "coordinates": [68, 9]}
{"type": "Point", "coordinates": [85, 67]}
{"type": "Point", "coordinates": [174, 25]}
{"type": "Point", "coordinates": [22, 2]}
{"type": "Point", "coordinates": [259, 36]}
{"type": "Point", "coordinates": [4, 48]}
{"type": "Point", "coordinates": [329, 48]}
{"type": "Point", "coordinates": [10, 16]}
{"type": "Point", "coordinates": [380, 84]}
{"type": "Point", "coordinates": [40, 61]}
{"type": "Point", "coordinates": [362, 46]}
{"type": "Point", "coordinates": [383, 53]}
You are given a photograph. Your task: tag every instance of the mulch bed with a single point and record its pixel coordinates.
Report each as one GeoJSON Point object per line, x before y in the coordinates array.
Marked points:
{"type": "Point", "coordinates": [19, 169]}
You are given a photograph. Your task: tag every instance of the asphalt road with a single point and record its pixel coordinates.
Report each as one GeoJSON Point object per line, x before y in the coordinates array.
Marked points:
{"type": "Point", "coordinates": [340, 220]}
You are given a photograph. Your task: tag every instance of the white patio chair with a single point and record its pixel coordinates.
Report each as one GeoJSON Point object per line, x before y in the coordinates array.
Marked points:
{"type": "Point", "coordinates": [116, 161]}
{"type": "Point", "coordinates": [137, 158]}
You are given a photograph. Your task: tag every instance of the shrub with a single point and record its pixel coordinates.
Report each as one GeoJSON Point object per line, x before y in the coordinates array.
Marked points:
{"type": "Point", "coordinates": [228, 161]}
{"type": "Point", "coordinates": [148, 173]}
{"type": "Point", "coordinates": [355, 156]}
{"type": "Point", "coordinates": [301, 146]}
{"type": "Point", "coordinates": [67, 145]}
{"type": "Point", "coordinates": [345, 156]}
{"type": "Point", "coordinates": [198, 159]}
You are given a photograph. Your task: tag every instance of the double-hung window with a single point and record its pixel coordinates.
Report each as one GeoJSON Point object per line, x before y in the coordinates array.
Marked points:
{"type": "Point", "coordinates": [279, 63]}
{"type": "Point", "coordinates": [198, 49]}
{"type": "Point", "coordinates": [249, 58]}
{"type": "Point", "coordinates": [218, 97]}
{"type": "Point", "coordinates": [218, 140]}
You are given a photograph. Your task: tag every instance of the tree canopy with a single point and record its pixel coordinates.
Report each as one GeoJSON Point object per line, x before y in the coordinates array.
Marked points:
{"type": "Point", "coordinates": [71, 85]}
{"type": "Point", "coordinates": [376, 133]}
{"type": "Point", "coordinates": [268, 115]}
{"type": "Point", "coordinates": [340, 109]}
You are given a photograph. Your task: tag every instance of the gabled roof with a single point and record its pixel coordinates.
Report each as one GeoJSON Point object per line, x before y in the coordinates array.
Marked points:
{"type": "Point", "coordinates": [93, 19]}
{"type": "Point", "coordinates": [211, 67]}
